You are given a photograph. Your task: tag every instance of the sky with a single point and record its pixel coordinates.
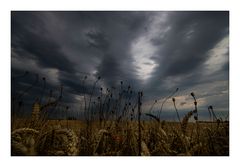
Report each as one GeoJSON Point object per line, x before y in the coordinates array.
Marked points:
{"type": "Point", "coordinates": [154, 52]}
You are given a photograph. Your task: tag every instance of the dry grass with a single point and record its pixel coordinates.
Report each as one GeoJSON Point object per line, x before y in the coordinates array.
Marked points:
{"type": "Point", "coordinates": [70, 138]}
{"type": "Point", "coordinates": [113, 126]}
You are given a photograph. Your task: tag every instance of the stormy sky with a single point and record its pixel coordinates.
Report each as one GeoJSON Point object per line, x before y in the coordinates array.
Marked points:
{"type": "Point", "coordinates": [154, 52]}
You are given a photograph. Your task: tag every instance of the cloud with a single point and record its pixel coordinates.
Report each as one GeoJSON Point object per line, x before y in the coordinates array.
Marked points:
{"type": "Point", "coordinates": [184, 48]}
{"type": "Point", "coordinates": [152, 51]}
{"type": "Point", "coordinates": [31, 39]}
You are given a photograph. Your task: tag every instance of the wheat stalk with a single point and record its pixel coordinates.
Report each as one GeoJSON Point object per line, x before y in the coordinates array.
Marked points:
{"type": "Point", "coordinates": [23, 141]}
{"type": "Point", "coordinates": [184, 122]}
{"type": "Point", "coordinates": [58, 142]}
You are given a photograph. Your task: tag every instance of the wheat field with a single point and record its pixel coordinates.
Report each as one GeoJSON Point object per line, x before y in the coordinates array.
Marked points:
{"type": "Point", "coordinates": [72, 137]}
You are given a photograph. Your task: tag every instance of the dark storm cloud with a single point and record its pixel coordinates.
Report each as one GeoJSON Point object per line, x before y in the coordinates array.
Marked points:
{"type": "Point", "coordinates": [97, 40]}
{"type": "Point", "coordinates": [29, 37]}
{"type": "Point", "coordinates": [190, 38]}
{"type": "Point", "coordinates": [113, 39]}
{"type": "Point", "coordinates": [184, 48]}
{"type": "Point", "coordinates": [99, 43]}
{"type": "Point", "coordinates": [75, 44]}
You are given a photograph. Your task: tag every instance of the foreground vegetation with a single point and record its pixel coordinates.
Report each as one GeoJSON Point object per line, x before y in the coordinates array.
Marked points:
{"type": "Point", "coordinates": [73, 138]}
{"type": "Point", "coordinates": [113, 126]}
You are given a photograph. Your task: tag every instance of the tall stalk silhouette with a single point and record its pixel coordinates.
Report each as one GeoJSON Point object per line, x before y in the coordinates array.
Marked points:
{"type": "Point", "coordinates": [94, 86]}
{"type": "Point", "coordinates": [168, 97]}
{"type": "Point", "coordinates": [173, 99]}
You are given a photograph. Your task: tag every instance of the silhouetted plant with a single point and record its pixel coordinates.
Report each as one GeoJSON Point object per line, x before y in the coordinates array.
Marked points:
{"type": "Point", "coordinates": [168, 97]}
{"type": "Point", "coordinates": [173, 99]}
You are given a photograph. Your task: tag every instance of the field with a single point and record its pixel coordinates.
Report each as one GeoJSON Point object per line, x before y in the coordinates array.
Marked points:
{"type": "Point", "coordinates": [112, 124]}
{"type": "Point", "coordinates": [72, 137]}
